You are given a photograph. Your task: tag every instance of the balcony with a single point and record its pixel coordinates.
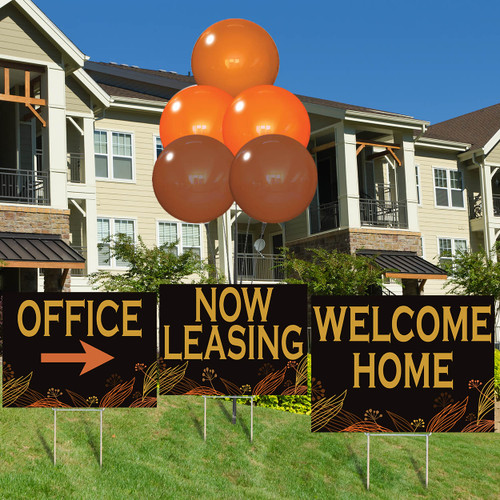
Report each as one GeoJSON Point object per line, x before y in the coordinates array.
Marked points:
{"type": "Point", "coordinates": [24, 186]}
{"type": "Point", "coordinates": [259, 267]}
{"type": "Point", "coordinates": [324, 217]}
{"type": "Point", "coordinates": [476, 206]}
{"type": "Point", "coordinates": [381, 213]}
{"type": "Point", "coordinates": [76, 168]}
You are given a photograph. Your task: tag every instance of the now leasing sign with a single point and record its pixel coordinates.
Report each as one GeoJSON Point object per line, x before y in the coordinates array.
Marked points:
{"type": "Point", "coordinates": [79, 350]}
{"type": "Point", "coordinates": [233, 340]}
{"type": "Point", "coordinates": [402, 364]}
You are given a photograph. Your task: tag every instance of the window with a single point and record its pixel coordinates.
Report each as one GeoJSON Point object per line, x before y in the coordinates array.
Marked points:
{"type": "Point", "coordinates": [448, 188]}
{"type": "Point", "coordinates": [187, 236]}
{"type": "Point", "coordinates": [417, 182]}
{"type": "Point", "coordinates": [107, 227]}
{"type": "Point", "coordinates": [113, 162]}
{"type": "Point", "coordinates": [158, 147]}
{"type": "Point", "coordinates": [449, 247]}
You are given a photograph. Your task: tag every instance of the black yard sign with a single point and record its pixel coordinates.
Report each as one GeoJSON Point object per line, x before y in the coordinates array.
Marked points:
{"type": "Point", "coordinates": [402, 364]}
{"type": "Point", "coordinates": [233, 340]}
{"type": "Point", "coordinates": [79, 350]}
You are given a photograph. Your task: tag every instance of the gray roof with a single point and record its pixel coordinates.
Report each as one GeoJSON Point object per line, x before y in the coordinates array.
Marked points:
{"type": "Point", "coordinates": [402, 263]}
{"type": "Point", "coordinates": [121, 88]}
{"type": "Point", "coordinates": [475, 128]}
{"type": "Point", "coordinates": [37, 248]}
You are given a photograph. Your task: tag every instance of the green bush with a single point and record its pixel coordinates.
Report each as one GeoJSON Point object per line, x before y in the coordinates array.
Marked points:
{"type": "Point", "coordinates": [497, 374]}
{"type": "Point", "coordinates": [292, 404]}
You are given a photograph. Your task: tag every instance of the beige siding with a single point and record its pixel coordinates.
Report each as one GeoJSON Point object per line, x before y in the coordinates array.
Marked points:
{"type": "Point", "coordinates": [296, 228]}
{"type": "Point", "coordinates": [76, 98]}
{"type": "Point", "coordinates": [135, 199]}
{"type": "Point", "coordinates": [494, 155]}
{"type": "Point", "coordinates": [438, 222]}
{"type": "Point", "coordinates": [18, 37]}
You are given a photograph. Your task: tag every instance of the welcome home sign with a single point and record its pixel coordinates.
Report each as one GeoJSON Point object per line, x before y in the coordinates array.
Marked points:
{"type": "Point", "coordinates": [402, 364]}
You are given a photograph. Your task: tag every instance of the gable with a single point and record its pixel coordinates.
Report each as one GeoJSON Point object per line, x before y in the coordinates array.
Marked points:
{"type": "Point", "coordinates": [20, 38]}
{"type": "Point", "coordinates": [77, 99]}
{"type": "Point", "coordinates": [494, 154]}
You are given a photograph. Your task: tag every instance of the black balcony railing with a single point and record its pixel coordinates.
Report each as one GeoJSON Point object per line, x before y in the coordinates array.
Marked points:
{"type": "Point", "coordinates": [324, 217]}
{"type": "Point", "coordinates": [476, 206]}
{"type": "Point", "coordinates": [259, 267]}
{"type": "Point", "coordinates": [382, 213]}
{"type": "Point", "coordinates": [76, 170]}
{"type": "Point", "coordinates": [24, 186]}
{"type": "Point", "coordinates": [83, 252]}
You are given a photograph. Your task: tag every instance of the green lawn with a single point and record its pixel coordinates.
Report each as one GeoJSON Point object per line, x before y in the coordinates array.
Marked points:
{"type": "Point", "coordinates": [160, 453]}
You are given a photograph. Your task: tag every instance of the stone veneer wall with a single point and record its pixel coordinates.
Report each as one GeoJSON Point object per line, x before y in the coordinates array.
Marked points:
{"type": "Point", "coordinates": [38, 220]}
{"type": "Point", "coordinates": [350, 240]}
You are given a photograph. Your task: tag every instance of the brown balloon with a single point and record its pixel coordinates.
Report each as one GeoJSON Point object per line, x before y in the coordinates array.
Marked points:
{"type": "Point", "coordinates": [273, 178]}
{"type": "Point", "coordinates": [191, 178]}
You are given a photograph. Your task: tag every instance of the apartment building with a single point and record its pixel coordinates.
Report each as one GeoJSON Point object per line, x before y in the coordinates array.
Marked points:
{"type": "Point", "coordinates": [79, 140]}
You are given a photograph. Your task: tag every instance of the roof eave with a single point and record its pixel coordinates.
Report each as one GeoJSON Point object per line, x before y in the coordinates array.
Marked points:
{"type": "Point", "coordinates": [132, 103]}
{"type": "Point", "coordinates": [394, 121]}
{"type": "Point", "coordinates": [93, 87]}
{"type": "Point", "coordinates": [162, 81]}
{"type": "Point", "coordinates": [429, 142]}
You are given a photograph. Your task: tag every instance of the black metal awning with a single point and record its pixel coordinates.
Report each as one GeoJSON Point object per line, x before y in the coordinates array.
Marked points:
{"type": "Point", "coordinates": [38, 251]}
{"type": "Point", "coordinates": [405, 265]}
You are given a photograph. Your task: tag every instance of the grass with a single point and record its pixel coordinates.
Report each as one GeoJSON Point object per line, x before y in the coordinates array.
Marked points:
{"type": "Point", "coordinates": [160, 453]}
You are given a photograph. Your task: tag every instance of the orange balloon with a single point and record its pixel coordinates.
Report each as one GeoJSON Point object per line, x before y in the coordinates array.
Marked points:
{"type": "Point", "coordinates": [273, 178]}
{"type": "Point", "coordinates": [191, 178]}
{"type": "Point", "coordinates": [233, 55]}
{"type": "Point", "coordinates": [195, 110]}
{"type": "Point", "coordinates": [263, 110]}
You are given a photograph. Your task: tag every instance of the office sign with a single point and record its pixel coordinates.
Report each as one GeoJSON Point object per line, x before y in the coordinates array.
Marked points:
{"type": "Point", "coordinates": [402, 364]}
{"type": "Point", "coordinates": [233, 339]}
{"type": "Point", "coordinates": [79, 350]}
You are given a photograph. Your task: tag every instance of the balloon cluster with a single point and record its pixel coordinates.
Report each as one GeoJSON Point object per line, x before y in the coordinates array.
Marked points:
{"type": "Point", "coordinates": [234, 110]}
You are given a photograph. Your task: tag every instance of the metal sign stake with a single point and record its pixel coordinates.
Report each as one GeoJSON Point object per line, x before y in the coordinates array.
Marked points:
{"type": "Point", "coordinates": [100, 410]}
{"type": "Point", "coordinates": [234, 398]}
{"type": "Point", "coordinates": [391, 434]}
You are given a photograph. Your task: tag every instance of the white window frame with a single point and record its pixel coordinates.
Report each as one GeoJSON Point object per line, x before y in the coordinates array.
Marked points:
{"type": "Point", "coordinates": [110, 156]}
{"type": "Point", "coordinates": [112, 261]}
{"type": "Point", "coordinates": [453, 247]}
{"type": "Point", "coordinates": [179, 224]}
{"type": "Point", "coordinates": [418, 185]}
{"type": "Point", "coordinates": [155, 150]}
{"type": "Point", "coordinates": [449, 189]}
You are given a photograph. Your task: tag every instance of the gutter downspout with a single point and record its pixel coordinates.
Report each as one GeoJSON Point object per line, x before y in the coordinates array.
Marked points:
{"type": "Point", "coordinates": [482, 177]}
{"type": "Point", "coordinates": [424, 130]}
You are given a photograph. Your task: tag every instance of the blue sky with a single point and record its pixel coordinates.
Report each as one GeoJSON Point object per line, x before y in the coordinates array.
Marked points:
{"type": "Point", "coordinates": [430, 59]}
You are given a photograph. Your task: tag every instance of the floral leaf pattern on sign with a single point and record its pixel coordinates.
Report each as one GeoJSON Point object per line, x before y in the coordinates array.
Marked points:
{"type": "Point", "coordinates": [231, 389]}
{"type": "Point", "coordinates": [446, 419]}
{"type": "Point", "coordinates": [270, 383]}
{"type": "Point", "coordinates": [204, 390]}
{"type": "Point", "coordinates": [147, 402]}
{"type": "Point", "coordinates": [150, 380]}
{"type": "Point", "coordinates": [117, 395]}
{"type": "Point", "coordinates": [486, 399]}
{"type": "Point", "coordinates": [400, 423]}
{"type": "Point", "coordinates": [49, 403]}
{"type": "Point", "coordinates": [325, 409]}
{"type": "Point", "coordinates": [78, 401]}
{"type": "Point", "coordinates": [14, 388]}
{"type": "Point", "coordinates": [169, 377]}
{"type": "Point", "coordinates": [482, 426]}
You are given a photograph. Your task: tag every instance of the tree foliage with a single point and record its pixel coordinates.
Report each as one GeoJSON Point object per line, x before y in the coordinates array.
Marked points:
{"type": "Point", "coordinates": [473, 273]}
{"type": "Point", "coordinates": [332, 272]}
{"type": "Point", "coordinates": [149, 267]}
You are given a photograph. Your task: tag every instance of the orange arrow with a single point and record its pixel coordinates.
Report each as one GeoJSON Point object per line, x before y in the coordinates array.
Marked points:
{"type": "Point", "coordinates": [92, 357]}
